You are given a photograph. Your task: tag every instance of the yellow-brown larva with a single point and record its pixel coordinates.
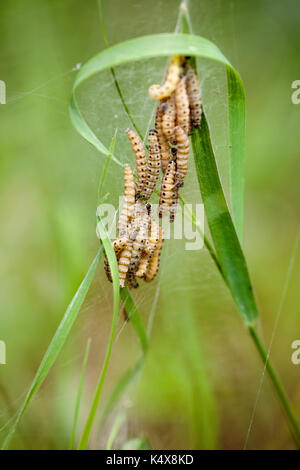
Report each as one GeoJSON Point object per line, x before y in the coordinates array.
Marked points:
{"type": "Point", "coordinates": [182, 106]}
{"type": "Point", "coordinates": [183, 149]}
{"type": "Point", "coordinates": [139, 237]}
{"type": "Point", "coordinates": [143, 265]}
{"type": "Point", "coordinates": [140, 159]}
{"type": "Point", "coordinates": [154, 162]}
{"type": "Point", "coordinates": [194, 95]}
{"type": "Point", "coordinates": [128, 202]}
{"type": "Point", "coordinates": [153, 265]}
{"type": "Point", "coordinates": [131, 280]}
{"type": "Point", "coordinates": [118, 246]}
{"type": "Point", "coordinates": [169, 119]}
{"type": "Point", "coordinates": [124, 261]}
{"type": "Point", "coordinates": [159, 92]}
{"type": "Point", "coordinates": [167, 189]}
{"type": "Point", "coordinates": [174, 202]}
{"type": "Point", "coordinates": [164, 146]}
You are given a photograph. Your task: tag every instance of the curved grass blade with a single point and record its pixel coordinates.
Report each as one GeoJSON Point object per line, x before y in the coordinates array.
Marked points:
{"type": "Point", "coordinates": [222, 230]}
{"type": "Point", "coordinates": [79, 393]}
{"type": "Point", "coordinates": [109, 251]}
{"type": "Point", "coordinates": [119, 421]}
{"type": "Point", "coordinates": [56, 343]}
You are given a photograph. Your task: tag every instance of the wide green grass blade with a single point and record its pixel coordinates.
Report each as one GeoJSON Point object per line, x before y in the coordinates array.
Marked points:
{"type": "Point", "coordinates": [109, 251]}
{"type": "Point", "coordinates": [79, 393]}
{"type": "Point", "coordinates": [57, 342]}
{"type": "Point", "coordinates": [166, 45]}
{"type": "Point", "coordinates": [222, 230]}
{"type": "Point", "coordinates": [236, 116]}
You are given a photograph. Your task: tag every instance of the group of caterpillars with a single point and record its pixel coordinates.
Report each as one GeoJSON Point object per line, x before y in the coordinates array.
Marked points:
{"type": "Point", "coordinates": [140, 238]}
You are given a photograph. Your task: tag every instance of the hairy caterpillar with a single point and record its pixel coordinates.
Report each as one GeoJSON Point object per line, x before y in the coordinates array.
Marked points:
{"type": "Point", "coordinates": [159, 92]}
{"type": "Point", "coordinates": [128, 203]}
{"type": "Point", "coordinates": [194, 94]}
{"type": "Point", "coordinates": [182, 106]}
{"type": "Point", "coordinates": [140, 159]}
{"type": "Point", "coordinates": [153, 265]}
{"type": "Point", "coordinates": [164, 146]}
{"type": "Point", "coordinates": [183, 149]}
{"type": "Point", "coordinates": [169, 118]}
{"type": "Point", "coordinates": [167, 189]}
{"type": "Point", "coordinates": [118, 246]}
{"type": "Point", "coordinates": [153, 164]}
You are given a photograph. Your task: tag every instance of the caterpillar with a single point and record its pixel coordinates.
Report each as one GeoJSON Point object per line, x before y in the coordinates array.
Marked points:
{"type": "Point", "coordinates": [154, 160]}
{"type": "Point", "coordinates": [149, 249]}
{"type": "Point", "coordinates": [167, 189]}
{"type": "Point", "coordinates": [194, 95]}
{"type": "Point", "coordinates": [164, 146]}
{"type": "Point", "coordinates": [169, 118]}
{"type": "Point", "coordinates": [154, 262]}
{"type": "Point", "coordinates": [140, 159]}
{"type": "Point", "coordinates": [183, 148]}
{"type": "Point", "coordinates": [159, 92]}
{"type": "Point", "coordinates": [131, 281]}
{"type": "Point", "coordinates": [124, 261]}
{"type": "Point", "coordinates": [182, 106]}
{"type": "Point", "coordinates": [128, 204]}
{"type": "Point", "coordinates": [118, 246]}
{"type": "Point", "coordinates": [139, 236]}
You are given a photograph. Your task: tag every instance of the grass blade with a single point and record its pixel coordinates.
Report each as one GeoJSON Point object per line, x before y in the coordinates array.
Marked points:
{"type": "Point", "coordinates": [79, 393]}
{"type": "Point", "coordinates": [109, 251]}
{"type": "Point", "coordinates": [56, 343]}
{"type": "Point", "coordinates": [236, 117]}
{"type": "Point", "coordinates": [222, 230]}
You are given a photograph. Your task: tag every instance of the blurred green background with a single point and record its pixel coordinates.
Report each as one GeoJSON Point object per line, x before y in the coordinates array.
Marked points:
{"type": "Point", "coordinates": [202, 374]}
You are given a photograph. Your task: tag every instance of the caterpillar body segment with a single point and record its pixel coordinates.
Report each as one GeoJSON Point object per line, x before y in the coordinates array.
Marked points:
{"type": "Point", "coordinates": [131, 281]}
{"type": "Point", "coordinates": [194, 95]}
{"type": "Point", "coordinates": [159, 92]}
{"type": "Point", "coordinates": [182, 106]}
{"type": "Point", "coordinates": [167, 189]}
{"type": "Point", "coordinates": [182, 156]}
{"type": "Point", "coordinates": [169, 119]}
{"type": "Point", "coordinates": [124, 261]}
{"type": "Point", "coordinates": [118, 246]}
{"type": "Point", "coordinates": [143, 265]}
{"type": "Point", "coordinates": [128, 203]}
{"type": "Point", "coordinates": [164, 146]}
{"type": "Point", "coordinates": [154, 163]}
{"type": "Point", "coordinates": [153, 265]}
{"type": "Point", "coordinates": [140, 159]}
{"type": "Point", "coordinates": [174, 202]}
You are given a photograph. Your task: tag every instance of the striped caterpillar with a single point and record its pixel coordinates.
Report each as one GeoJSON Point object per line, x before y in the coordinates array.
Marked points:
{"type": "Point", "coordinates": [128, 203]}
{"type": "Point", "coordinates": [140, 159]}
{"type": "Point", "coordinates": [164, 146]}
{"type": "Point", "coordinates": [154, 162]}
{"type": "Point", "coordinates": [118, 246]}
{"type": "Point", "coordinates": [194, 95]}
{"type": "Point", "coordinates": [155, 260]}
{"type": "Point", "coordinates": [159, 92]}
{"type": "Point", "coordinates": [182, 106]}
{"type": "Point", "coordinates": [183, 149]}
{"type": "Point", "coordinates": [149, 249]}
{"type": "Point", "coordinates": [168, 189]}
{"type": "Point", "coordinates": [169, 119]}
